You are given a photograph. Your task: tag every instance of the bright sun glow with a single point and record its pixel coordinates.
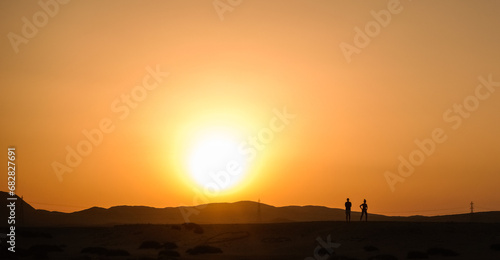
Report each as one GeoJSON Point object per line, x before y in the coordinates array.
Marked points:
{"type": "Point", "coordinates": [214, 161]}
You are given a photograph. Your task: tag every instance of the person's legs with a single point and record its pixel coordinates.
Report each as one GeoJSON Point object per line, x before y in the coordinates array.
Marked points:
{"type": "Point", "coordinates": [364, 213]}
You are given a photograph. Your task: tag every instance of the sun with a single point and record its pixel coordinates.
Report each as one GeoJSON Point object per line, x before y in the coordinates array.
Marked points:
{"type": "Point", "coordinates": [214, 162]}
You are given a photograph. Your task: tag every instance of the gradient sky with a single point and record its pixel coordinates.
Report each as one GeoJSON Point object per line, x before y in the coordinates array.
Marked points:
{"type": "Point", "coordinates": [352, 119]}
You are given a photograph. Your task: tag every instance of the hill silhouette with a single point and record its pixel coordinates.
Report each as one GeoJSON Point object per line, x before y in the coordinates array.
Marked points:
{"type": "Point", "coordinates": [213, 213]}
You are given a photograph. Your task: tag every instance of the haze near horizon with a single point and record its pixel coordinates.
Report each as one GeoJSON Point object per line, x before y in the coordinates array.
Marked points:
{"type": "Point", "coordinates": [169, 103]}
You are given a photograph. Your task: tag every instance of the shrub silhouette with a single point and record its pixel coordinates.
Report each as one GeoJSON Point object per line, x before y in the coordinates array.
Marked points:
{"type": "Point", "coordinates": [169, 245]}
{"type": "Point", "coordinates": [149, 244]}
{"type": "Point", "coordinates": [117, 252]}
{"type": "Point", "coordinates": [441, 252]}
{"type": "Point", "coordinates": [195, 227]}
{"type": "Point", "coordinates": [204, 249]}
{"type": "Point", "coordinates": [95, 250]}
{"type": "Point", "coordinates": [176, 227]}
{"type": "Point", "coordinates": [417, 255]}
{"type": "Point", "coordinates": [169, 253]}
{"type": "Point", "coordinates": [370, 248]}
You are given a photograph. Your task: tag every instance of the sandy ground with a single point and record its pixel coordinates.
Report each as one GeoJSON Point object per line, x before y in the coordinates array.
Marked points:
{"type": "Point", "coordinates": [358, 240]}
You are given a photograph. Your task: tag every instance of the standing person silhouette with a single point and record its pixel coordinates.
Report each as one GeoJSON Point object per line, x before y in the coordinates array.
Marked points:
{"type": "Point", "coordinates": [348, 211]}
{"type": "Point", "coordinates": [364, 209]}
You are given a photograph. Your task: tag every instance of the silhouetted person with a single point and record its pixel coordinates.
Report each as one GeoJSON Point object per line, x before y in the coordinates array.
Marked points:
{"type": "Point", "coordinates": [364, 209]}
{"type": "Point", "coordinates": [348, 211]}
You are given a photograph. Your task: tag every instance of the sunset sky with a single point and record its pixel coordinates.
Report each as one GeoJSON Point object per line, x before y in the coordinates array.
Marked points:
{"type": "Point", "coordinates": [307, 102]}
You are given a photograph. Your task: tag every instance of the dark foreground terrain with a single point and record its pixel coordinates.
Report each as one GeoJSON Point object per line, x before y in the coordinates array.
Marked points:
{"type": "Point", "coordinates": [306, 240]}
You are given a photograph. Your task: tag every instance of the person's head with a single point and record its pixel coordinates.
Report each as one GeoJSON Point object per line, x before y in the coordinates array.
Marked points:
{"type": "Point", "coordinates": [364, 200]}
{"type": "Point", "coordinates": [347, 199]}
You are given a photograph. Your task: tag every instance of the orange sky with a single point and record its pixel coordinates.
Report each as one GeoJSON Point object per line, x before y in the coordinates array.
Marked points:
{"type": "Point", "coordinates": [355, 113]}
